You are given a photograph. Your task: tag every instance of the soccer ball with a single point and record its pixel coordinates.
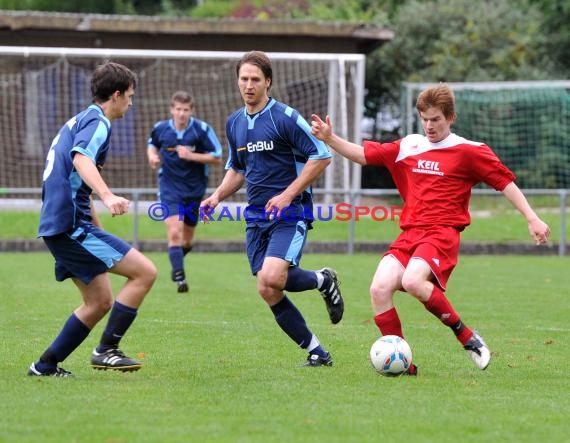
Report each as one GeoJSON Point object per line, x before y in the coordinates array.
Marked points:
{"type": "Point", "coordinates": [390, 355]}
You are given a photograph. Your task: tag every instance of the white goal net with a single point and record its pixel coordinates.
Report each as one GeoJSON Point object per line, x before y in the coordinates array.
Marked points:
{"type": "Point", "coordinates": [40, 88]}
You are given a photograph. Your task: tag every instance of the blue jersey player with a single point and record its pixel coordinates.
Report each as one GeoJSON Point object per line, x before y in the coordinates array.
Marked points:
{"type": "Point", "coordinates": [272, 150]}
{"type": "Point", "coordinates": [186, 146]}
{"type": "Point", "coordinates": [83, 251]}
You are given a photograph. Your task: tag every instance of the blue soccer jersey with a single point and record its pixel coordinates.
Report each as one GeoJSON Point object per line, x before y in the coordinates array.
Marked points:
{"type": "Point", "coordinates": [65, 196]}
{"type": "Point", "coordinates": [271, 149]}
{"type": "Point", "coordinates": [180, 179]}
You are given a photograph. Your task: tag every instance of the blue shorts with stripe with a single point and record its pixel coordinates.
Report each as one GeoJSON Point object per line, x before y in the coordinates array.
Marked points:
{"type": "Point", "coordinates": [279, 238]}
{"type": "Point", "coordinates": [85, 252]}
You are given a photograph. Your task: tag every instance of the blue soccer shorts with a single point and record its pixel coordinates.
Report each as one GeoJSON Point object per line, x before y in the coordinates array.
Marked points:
{"type": "Point", "coordinates": [186, 210]}
{"type": "Point", "coordinates": [85, 252]}
{"type": "Point", "coordinates": [279, 238]}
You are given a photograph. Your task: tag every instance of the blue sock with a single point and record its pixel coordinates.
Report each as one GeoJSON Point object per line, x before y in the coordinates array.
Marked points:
{"type": "Point", "coordinates": [71, 336]}
{"type": "Point", "coordinates": [292, 322]}
{"type": "Point", "coordinates": [299, 280]}
{"type": "Point", "coordinates": [176, 257]}
{"type": "Point", "coordinates": [120, 319]}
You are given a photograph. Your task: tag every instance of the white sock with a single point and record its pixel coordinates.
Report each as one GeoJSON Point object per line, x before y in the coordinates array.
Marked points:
{"type": "Point", "coordinates": [320, 279]}
{"type": "Point", "coordinates": [313, 344]}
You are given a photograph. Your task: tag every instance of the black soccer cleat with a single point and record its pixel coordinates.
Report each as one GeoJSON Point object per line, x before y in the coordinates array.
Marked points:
{"type": "Point", "coordinates": [182, 286]}
{"type": "Point", "coordinates": [180, 279]}
{"type": "Point", "coordinates": [314, 360]}
{"type": "Point", "coordinates": [57, 372]}
{"type": "Point", "coordinates": [330, 290]}
{"type": "Point", "coordinates": [114, 359]}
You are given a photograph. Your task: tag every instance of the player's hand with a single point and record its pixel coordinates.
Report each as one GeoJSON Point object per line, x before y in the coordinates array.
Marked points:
{"type": "Point", "coordinates": [116, 205]}
{"type": "Point", "coordinates": [154, 160]}
{"type": "Point", "coordinates": [539, 231]}
{"type": "Point", "coordinates": [321, 129]}
{"type": "Point", "coordinates": [275, 205]}
{"type": "Point", "coordinates": [207, 208]}
{"type": "Point", "coordinates": [184, 152]}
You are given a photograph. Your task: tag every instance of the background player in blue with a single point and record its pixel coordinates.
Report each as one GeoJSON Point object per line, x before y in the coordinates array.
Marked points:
{"type": "Point", "coordinates": [83, 251]}
{"type": "Point", "coordinates": [273, 151]}
{"type": "Point", "coordinates": [186, 146]}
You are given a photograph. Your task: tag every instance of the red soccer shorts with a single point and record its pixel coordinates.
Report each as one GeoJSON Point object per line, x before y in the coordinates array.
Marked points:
{"type": "Point", "coordinates": [438, 246]}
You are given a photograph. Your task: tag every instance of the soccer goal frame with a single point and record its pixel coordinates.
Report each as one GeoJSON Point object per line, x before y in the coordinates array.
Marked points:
{"type": "Point", "coordinates": [32, 81]}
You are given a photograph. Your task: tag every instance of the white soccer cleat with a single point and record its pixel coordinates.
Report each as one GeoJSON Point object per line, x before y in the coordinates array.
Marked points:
{"type": "Point", "coordinates": [478, 351]}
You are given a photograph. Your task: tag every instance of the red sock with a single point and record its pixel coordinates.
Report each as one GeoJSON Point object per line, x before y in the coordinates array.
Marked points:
{"type": "Point", "coordinates": [439, 305]}
{"type": "Point", "coordinates": [389, 323]}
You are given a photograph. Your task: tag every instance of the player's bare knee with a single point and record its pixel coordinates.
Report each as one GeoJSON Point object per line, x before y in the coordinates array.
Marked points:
{"type": "Point", "coordinates": [263, 286]}
{"type": "Point", "coordinates": [174, 240]}
{"type": "Point", "coordinates": [268, 291]}
{"type": "Point", "coordinates": [271, 296]}
{"type": "Point", "coordinates": [271, 280]}
{"type": "Point", "coordinates": [375, 292]}
{"type": "Point", "coordinates": [413, 285]}
{"type": "Point", "coordinates": [148, 275]}
{"type": "Point", "coordinates": [105, 305]}
{"type": "Point", "coordinates": [380, 299]}
{"type": "Point", "coordinates": [381, 292]}
{"type": "Point", "coordinates": [99, 307]}
{"type": "Point", "coordinates": [265, 292]}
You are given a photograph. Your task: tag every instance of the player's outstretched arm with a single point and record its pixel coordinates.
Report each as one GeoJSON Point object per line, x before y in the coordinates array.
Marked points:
{"type": "Point", "coordinates": [311, 172]}
{"type": "Point", "coordinates": [538, 229]}
{"type": "Point", "coordinates": [323, 131]}
{"type": "Point", "coordinates": [232, 182]}
{"type": "Point", "coordinates": [89, 174]}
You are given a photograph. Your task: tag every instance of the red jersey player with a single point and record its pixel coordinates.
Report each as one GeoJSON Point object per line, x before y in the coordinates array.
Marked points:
{"type": "Point", "coordinates": [434, 175]}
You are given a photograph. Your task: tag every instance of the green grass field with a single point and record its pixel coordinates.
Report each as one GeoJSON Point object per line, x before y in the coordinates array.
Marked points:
{"type": "Point", "coordinates": [218, 369]}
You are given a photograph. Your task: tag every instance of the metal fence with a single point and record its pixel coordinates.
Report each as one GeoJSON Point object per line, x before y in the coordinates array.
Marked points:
{"type": "Point", "coordinates": [351, 197]}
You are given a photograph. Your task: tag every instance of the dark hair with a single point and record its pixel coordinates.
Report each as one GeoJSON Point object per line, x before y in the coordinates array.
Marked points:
{"type": "Point", "coordinates": [182, 97]}
{"type": "Point", "coordinates": [110, 77]}
{"type": "Point", "coordinates": [439, 96]}
{"type": "Point", "coordinates": [259, 59]}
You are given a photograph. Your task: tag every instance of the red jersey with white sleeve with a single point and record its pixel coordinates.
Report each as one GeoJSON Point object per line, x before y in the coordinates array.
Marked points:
{"type": "Point", "coordinates": [435, 179]}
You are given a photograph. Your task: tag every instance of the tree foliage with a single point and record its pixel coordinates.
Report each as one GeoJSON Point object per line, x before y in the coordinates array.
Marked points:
{"type": "Point", "coordinates": [330, 10]}
{"type": "Point", "coordinates": [326, 10]}
{"type": "Point", "coordinates": [556, 19]}
{"type": "Point", "coordinates": [496, 40]}
{"type": "Point", "coordinates": [148, 7]}
{"type": "Point", "coordinates": [452, 40]}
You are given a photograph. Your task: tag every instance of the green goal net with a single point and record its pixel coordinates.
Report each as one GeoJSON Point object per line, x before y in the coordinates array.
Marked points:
{"type": "Point", "coordinates": [526, 123]}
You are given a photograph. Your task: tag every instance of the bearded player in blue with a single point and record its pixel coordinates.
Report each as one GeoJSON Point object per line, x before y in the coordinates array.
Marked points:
{"type": "Point", "coordinates": [186, 146]}
{"type": "Point", "coordinates": [83, 251]}
{"type": "Point", "coordinates": [272, 150]}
